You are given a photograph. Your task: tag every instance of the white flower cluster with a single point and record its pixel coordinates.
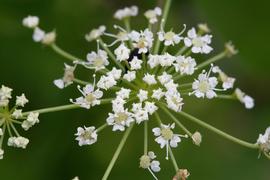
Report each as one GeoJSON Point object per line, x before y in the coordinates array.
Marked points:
{"type": "Point", "coordinates": [39, 35]}
{"type": "Point", "coordinates": [142, 78]}
{"type": "Point", "coordinates": [9, 116]}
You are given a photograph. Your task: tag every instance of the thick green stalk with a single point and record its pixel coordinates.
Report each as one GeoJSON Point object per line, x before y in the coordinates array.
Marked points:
{"type": "Point", "coordinates": [63, 107]}
{"type": "Point", "coordinates": [117, 152]}
{"type": "Point", "coordinates": [145, 137]}
{"type": "Point", "coordinates": [219, 132]}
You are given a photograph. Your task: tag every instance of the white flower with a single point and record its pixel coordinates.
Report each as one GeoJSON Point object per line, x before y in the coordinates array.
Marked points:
{"type": "Point", "coordinates": [204, 86]}
{"type": "Point", "coordinates": [174, 100]}
{"type": "Point", "coordinates": [152, 15]}
{"type": "Point", "coordinates": [91, 97]}
{"type": "Point", "coordinates": [97, 60]}
{"type": "Point", "coordinates": [115, 73]}
{"type": "Point", "coordinates": [120, 119]}
{"type": "Point", "coordinates": [38, 35]}
{"type": "Point", "coordinates": [148, 162]}
{"type": "Point", "coordinates": [264, 140]}
{"type": "Point", "coordinates": [143, 40]}
{"type": "Point", "coordinates": [86, 135]}
{"type": "Point", "coordinates": [95, 33]}
{"type": "Point", "coordinates": [126, 12]}
{"type": "Point", "coordinates": [106, 82]}
{"type": "Point", "coordinates": [141, 115]}
{"type": "Point", "coordinates": [158, 93]}
{"type": "Point", "coordinates": [5, 92]}
{"type": "Point", "coordinates": [18, 142]}
{"type": "Point", "coordinates": [30, 21]}
{"type": "Point", "coordinates": [123, 93]}
{"type": "Point", "coordinates": [130, 76]}
{"type": "Point", "coordinates": [153, 60]}
{"type": "Point", "coordinates": [245, 99]}
{"type": "Point", "coordinates": [171, 86]}
{"type": "Point", "coordinates": [185, 65]}
{"type": "Point", "coordinates": [166, 60]}
{"type": "Point", "coordinates": [200, 44]}
{"type": "Point", "coordinates": [31, 120]}
{"type": "Point", "coordinates": [149, 79]}
{"type": "Point", "coordinates": [166, 137]}
{"type": "Point", "coordinates": [17, 113]}
{"type": "Point", "coordinates": [67, 79]}
{"type": "Point", "coordinates": [228, 82]}
{"type": "Point", "coordinates": [1, 153]}
{"type": "Point", "coordinates": [21, 100]}
{"type": "Point", "coordinates": [142, 95]}
{"type": "Point", "coordinates": [164, 78]}
{"type": "Point", "coordinates": [150, 107]}
{"type": "Point", "coordinates": [169, 38]}
{"type": "Point", "coordinates": [122, 52]}
{"type": "Point", "coordinates": [118, 104]}
{"type": "Point", "coordinates": [135, 63]}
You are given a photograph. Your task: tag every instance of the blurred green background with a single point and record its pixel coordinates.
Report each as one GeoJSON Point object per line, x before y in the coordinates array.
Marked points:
{"type": "Point", "coordinates": [54, 154]}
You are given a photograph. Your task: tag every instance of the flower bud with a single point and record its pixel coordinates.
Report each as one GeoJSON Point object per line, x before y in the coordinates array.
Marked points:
{"type": "Point", "coordinates": [49, 38]}
{"type": "Point", "coordinates": [197, 138]}
{"type": "Point", "coordinates": [182, 174]}
{"type": "Point", "coordinates": [230, 49]}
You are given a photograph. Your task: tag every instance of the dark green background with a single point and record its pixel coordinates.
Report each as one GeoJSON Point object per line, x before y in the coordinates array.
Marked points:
{"type": "Point", "coordinates": [53, 153]}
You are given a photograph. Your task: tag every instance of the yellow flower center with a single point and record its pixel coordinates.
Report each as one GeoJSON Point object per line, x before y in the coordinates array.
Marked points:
{"type": "Point", "coordinates": [120, 117]}
{"type": "Point", "coordinates": [169, 35]}
{"type": "Point", "coordinates": [166, 133]}
{"type": "Point", "coordinates": [204, 86]}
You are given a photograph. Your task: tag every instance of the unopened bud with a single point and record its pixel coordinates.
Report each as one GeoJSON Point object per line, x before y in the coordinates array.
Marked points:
{"type": "Point", "coordinates": [49, 38]}
{"type": "Point", "coordinates": [197, 138]}
{"type": "Point", "coordinates": [230, 49]}
{"type": "Point", "coordinates": [182, 174]}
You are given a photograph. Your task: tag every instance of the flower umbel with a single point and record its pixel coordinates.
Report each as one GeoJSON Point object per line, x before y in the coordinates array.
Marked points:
{"type": "Point", "coordinates": [138, 79]}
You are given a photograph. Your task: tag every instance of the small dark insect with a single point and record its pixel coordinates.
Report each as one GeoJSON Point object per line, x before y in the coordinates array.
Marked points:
{"type": "Point", "coordinates": [134, 53]}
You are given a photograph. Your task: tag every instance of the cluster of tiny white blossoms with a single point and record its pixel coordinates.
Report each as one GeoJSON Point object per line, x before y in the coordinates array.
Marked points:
{"type": "Point", "coordinates": [143, 79]}
{"type": "Point", "coordinates": [11, 116]}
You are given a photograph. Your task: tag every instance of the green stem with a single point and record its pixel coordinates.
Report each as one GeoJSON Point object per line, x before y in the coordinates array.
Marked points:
{"type": "Point", "coordinates": [267, 155]}
{"type": "Point", "coordinates": [81, 81]}
{"type": "Point", "coordinates": [63, 53]}
{"type": "Point", "coordinates": [221, 96]}
{"type": "Point", "coordinates": [158, 118]}
{"type": "Point", "coordinates": [15, 130]}
{"type": "Point", "coordinates": [175, 165]}
{"type": "Point", "coordinates": [2, 137]}
{"type": "Point", "coordinates": [181, 51]}
{"type": "Point", "coordinates": [185, 85]}
{"type": "Point", "coordinates": [212, 60]}
{"type": "Point", "coordinates": [111, 55]}
{"type": "Point", "coordinates": [163, 23]}
{"type": "Point", "coordinates": [117, 152]}
{"type": "Point", "coordinates": [219, 132]}
{"type": "Point", "coordinates": [63, 107]}
{"type": "Point", "coordinates": [102, 127]}
{"type": "Point", "coordinates": [176, 121]}
{"type": "Point", "coordinates": [145, 137]}
{"type": "Point", "coordinates": [127, 25]}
